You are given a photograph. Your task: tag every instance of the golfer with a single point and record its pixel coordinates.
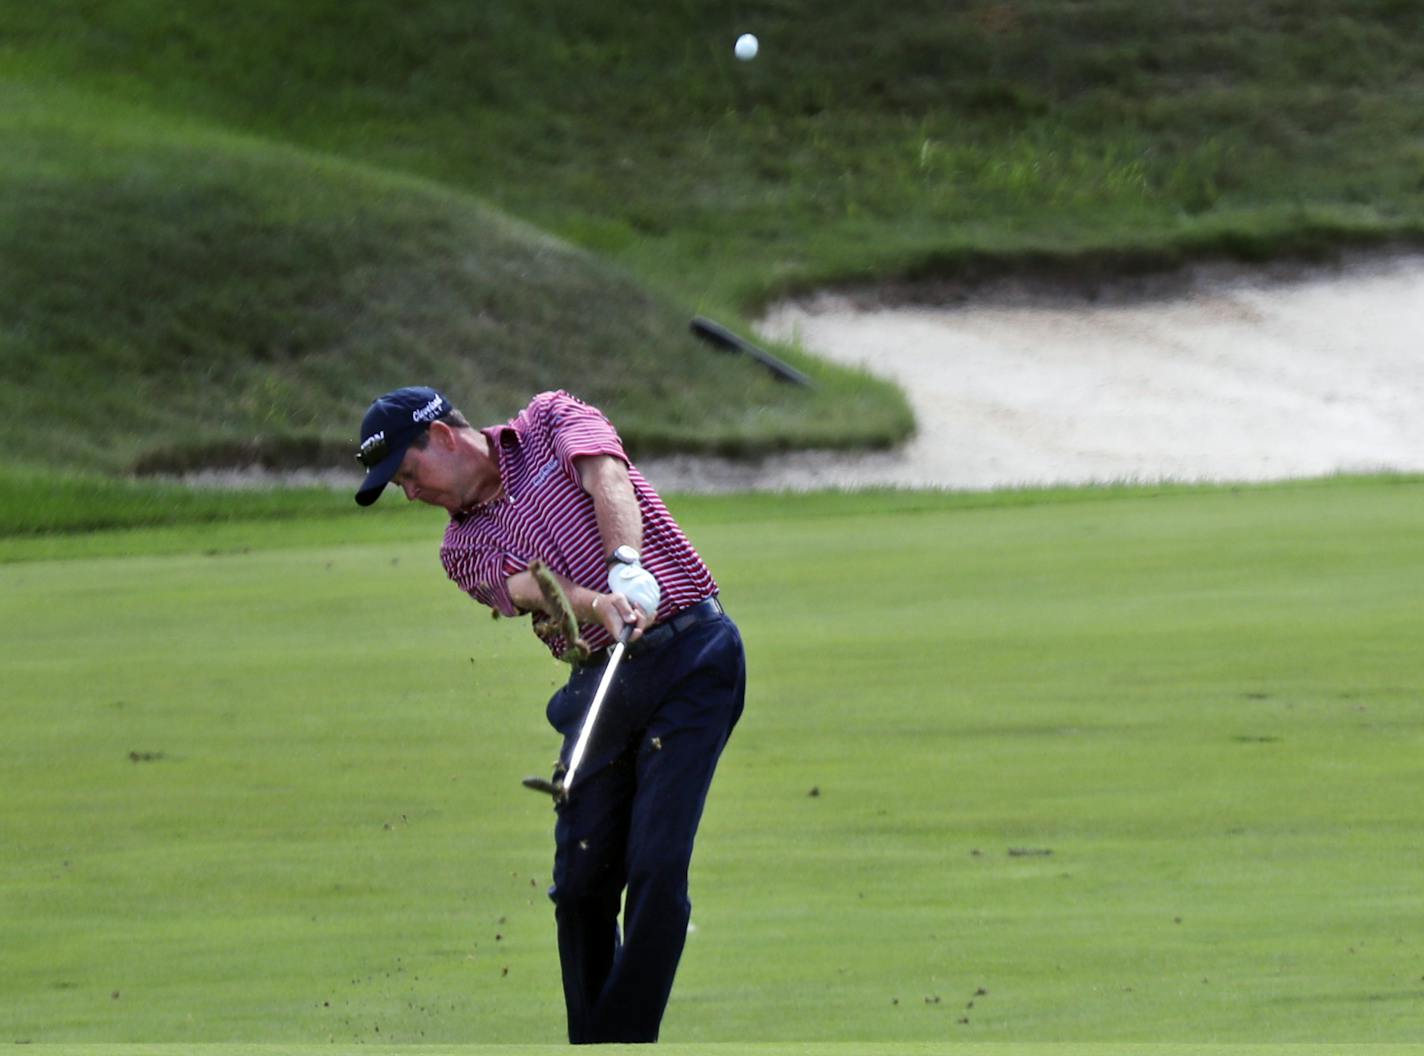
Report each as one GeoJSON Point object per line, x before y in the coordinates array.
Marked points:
{"type": "Point", "coordinates": [555, 485]}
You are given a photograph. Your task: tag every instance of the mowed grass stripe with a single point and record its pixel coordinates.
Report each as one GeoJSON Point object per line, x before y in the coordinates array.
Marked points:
{"type": "Point", "coordinates": [1139, 770]}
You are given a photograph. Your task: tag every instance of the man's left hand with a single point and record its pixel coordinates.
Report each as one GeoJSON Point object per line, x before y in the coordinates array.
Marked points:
{"type": "Point", "coordinates": [638, 585]}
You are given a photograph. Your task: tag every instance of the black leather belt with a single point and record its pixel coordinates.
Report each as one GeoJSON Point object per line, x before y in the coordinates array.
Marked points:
{"type": "Point", "coordinates": [662, 633]}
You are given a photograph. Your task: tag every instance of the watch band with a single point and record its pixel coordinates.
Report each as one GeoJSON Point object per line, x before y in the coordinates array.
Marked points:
{"type": "Point", "coordinates": [624, 555]}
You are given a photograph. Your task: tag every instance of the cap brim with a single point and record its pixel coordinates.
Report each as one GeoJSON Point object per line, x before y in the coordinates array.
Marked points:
{"type": "Point", "coordinates": [379, 475]}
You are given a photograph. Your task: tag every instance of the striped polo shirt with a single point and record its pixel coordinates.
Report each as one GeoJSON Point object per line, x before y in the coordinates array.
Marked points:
{"type": "Point", "coordinates": [545, 514]}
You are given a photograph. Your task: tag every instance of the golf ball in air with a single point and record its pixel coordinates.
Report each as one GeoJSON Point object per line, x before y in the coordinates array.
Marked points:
{"type": "Point", "coordinates": [746, 48]}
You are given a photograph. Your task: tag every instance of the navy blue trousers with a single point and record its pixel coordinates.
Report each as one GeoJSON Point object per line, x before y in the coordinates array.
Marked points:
{"type": "Point", "coordinates": [630, 821]}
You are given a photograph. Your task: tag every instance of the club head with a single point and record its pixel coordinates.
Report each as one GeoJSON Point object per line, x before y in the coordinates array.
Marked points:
{"type": "Point", "coordinates": [550, 788]}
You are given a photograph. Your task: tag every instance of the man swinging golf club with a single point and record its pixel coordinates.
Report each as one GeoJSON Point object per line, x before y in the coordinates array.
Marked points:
{"type": "Point", "coordinates": [552, 492]}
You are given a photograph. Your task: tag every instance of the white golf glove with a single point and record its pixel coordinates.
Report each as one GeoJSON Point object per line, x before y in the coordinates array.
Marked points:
{"type": "Point", "coordinates": [637, 584]}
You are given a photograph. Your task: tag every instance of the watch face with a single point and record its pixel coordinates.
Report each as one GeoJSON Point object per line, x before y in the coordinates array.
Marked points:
{"type": "Point", "coordinates": [626, 555]}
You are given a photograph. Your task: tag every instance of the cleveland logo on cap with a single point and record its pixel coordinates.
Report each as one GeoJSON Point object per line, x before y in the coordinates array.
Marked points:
{"type": "Point", "coordinates": [429, 412]}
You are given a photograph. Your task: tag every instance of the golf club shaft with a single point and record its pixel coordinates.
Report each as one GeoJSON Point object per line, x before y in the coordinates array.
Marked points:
{"type": "Point", "coordinates": [586, 732]}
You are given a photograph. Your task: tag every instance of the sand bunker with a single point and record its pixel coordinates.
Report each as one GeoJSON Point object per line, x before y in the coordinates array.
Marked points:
{"type": "Point", "coordinates": [1227, 375]}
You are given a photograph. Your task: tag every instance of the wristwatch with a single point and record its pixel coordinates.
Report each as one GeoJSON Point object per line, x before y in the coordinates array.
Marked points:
{"type": "Point", "coordinates": [623, 555]}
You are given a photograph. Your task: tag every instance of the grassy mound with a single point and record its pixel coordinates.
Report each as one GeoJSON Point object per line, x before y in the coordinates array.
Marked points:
{"type": "Point", "coordinates": [172, 297]}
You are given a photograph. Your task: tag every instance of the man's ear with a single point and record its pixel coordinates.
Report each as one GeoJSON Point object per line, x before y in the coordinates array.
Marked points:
{"type": "Point", "coordinates": [443, 435]}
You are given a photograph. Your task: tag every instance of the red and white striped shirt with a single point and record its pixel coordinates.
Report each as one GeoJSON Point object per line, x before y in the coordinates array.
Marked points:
{"type": "Point", "coordinates": [546, 514]}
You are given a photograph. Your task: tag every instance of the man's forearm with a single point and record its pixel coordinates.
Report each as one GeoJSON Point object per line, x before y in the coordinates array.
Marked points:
{"type": "Point", "coordinates": [525, 593]}
{"type": "Point", "coordinates": [589, 607]}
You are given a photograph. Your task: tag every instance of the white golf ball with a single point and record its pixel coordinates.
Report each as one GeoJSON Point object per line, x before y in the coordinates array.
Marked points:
{"type": "Point", "coordinates": [746, 48]}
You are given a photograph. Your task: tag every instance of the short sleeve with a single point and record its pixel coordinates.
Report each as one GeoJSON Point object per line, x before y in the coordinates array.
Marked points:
{"type": "Point", "coordinates": [580, 430]}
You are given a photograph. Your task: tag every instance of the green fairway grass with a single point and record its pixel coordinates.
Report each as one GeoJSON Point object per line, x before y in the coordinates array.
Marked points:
{"type": "Point", "coordinates": [1137, 766]}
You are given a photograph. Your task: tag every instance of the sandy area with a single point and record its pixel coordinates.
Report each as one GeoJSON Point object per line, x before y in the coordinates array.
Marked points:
{"type": "Point", "coordinates": [1223, 375]}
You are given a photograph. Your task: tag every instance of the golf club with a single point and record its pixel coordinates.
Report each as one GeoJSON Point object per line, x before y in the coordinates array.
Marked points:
{"type": "Point", "coordinates": [562, 785]}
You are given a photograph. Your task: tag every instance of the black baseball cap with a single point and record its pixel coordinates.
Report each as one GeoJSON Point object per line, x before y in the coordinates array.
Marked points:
{"type": "Point", "coordinates": [391, 423]}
